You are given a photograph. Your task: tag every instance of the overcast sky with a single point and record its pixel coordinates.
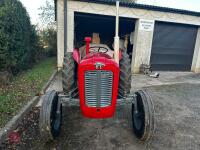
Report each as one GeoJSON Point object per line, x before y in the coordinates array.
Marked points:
{"type": "Point", "coordinates": [194, 5]}
{"type": "Point", "coordinates": [32, 8]}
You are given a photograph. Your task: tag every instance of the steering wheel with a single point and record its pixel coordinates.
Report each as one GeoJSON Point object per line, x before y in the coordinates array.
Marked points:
{"type": "Point", "coordinates": [98, 49]}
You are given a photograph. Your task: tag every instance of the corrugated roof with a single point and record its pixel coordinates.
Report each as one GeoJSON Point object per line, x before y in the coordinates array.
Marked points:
{"type": "Point", "coordinates": [143, 6]}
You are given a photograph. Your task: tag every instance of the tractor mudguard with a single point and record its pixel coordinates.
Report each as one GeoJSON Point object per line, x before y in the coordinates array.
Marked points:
{"type": "Point", "coordinates": [76, 56]}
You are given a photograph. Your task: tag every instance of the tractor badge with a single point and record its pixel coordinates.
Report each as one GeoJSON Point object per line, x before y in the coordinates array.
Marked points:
{"type": "Point", "coordinates": [99, 65]}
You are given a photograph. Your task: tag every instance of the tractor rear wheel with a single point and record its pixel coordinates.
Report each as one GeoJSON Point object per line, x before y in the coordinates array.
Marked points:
{"type": "Point", "coordinates": [125, 75]}
{"type": "Point", "coordinates": [143, 115]}
{"type": "Point", "coordinates": [69, 75]}
{"type": "Point", "coordinates": [50, 116]}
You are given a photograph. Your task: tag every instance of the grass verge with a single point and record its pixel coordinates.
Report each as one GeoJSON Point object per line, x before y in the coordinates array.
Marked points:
{"type": "Point", "coordinates": [23, 87]}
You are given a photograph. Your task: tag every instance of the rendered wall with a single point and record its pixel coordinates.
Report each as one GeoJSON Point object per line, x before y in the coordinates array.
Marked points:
{"type": "Point", "coordinates": [196, 57]}
{"type": "Point", "coordinates": [142, 46]}
{"type": "Point", "coordinates": [60, 33]}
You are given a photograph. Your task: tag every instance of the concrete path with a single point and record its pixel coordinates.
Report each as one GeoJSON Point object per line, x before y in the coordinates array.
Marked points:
{"type": "Point", "coordinates": [166, 78]}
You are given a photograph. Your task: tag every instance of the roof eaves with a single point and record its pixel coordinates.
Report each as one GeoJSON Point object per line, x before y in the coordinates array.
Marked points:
{"type": "Point", "coordinates": [144, 6]}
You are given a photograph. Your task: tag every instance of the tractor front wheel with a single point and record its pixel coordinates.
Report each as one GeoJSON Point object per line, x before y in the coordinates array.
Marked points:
{"type": "Point", "coordinates": [50, 116]}
{"type": "Point", "coordinates": [143, 115]}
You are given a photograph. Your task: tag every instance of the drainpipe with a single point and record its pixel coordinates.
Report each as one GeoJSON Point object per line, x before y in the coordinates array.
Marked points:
{"type": "Point", "coordinates": [65, 27]}
{"type": "Point", "coordinates": [116, 38]}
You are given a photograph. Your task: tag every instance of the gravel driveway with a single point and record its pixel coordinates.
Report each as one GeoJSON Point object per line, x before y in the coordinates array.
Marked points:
{"type": "Point", "coordinates": [177, 112]}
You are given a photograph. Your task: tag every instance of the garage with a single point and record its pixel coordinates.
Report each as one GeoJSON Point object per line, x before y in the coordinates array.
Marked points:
{"type": "Point", "coordinates": [173, 46]}
{"type": "Point", "coordinates": [168, 39]}
{"type": "Point", "coordinates": [104, 26]}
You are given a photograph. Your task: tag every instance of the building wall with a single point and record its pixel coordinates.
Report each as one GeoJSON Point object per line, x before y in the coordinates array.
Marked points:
{"type": "Point", "coordinates": [196, 57]}
{"type": "Point", "coordinates": [142, 46]}
{"type": "Point", "coordinates": [132, 12]}
{"type": "Point", "coordinates": [143, 39]}
{"type": "Point", "coordinates": [60, 33]}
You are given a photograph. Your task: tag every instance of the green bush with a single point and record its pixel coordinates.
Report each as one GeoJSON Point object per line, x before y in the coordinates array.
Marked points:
{"type": "Point", "coordinates": [18, 38]}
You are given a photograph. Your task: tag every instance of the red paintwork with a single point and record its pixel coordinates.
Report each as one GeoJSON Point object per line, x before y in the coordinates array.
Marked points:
{"type": "Point", "coordinates": [76, 56]}
{"type": "Point", "coordinates": [97, 55]}
{"type": "Point", "coordinates": [87, 40]}
{"type": "Point", "coordinates": [88, 63]}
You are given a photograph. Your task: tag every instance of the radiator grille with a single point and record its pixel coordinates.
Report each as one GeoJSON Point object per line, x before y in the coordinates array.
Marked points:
{"type": "Point", "coordinates": [98, 88]}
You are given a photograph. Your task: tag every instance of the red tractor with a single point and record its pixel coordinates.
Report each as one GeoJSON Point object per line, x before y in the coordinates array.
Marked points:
{"type": "Point", "coordinates": [100, 78]}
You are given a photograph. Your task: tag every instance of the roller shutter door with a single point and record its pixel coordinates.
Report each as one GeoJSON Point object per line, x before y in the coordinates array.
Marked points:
{"type": "Point", "coordinates": [173, 46]}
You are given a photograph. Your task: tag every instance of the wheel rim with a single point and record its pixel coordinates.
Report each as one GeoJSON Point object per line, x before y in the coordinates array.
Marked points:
{"type": "Point", "coordinates": [138, 120]}
{"type": "Point", "coordinates": [139, 117]}
{"type": "Point", "coordinates": [57, 121]}
{"type": "Point", "coordinates": [55, 118]}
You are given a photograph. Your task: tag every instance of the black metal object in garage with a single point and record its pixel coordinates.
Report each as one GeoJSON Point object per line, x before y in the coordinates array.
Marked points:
{"type": "Point", "coordinates": [173, 46]}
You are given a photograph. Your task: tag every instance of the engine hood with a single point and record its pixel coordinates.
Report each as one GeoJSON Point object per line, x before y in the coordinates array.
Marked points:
{"type": "Point", "coordinates": [98, 57]}
{"type": "Point", "coordinates": [94, 72]}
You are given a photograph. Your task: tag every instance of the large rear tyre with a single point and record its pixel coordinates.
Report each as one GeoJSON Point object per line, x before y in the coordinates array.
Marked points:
{"type": "Point", "coordinates": [50, 116]}
{"type": "Point", "coordinates": [69, 75]}
{"type": "Point", "coordinates": [143, 116]}
{"type": "Point", "coordinates": [125, 75]}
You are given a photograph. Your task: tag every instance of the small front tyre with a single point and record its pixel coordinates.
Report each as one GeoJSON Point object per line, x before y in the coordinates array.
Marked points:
{"type": "Point", "coordinates": [143, 115]}
{"type": "Point", "coordinates": [50, 116]}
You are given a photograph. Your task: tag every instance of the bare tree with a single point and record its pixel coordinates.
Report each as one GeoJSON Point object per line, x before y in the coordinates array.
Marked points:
{"type": "Point", "coordinates": [47, 15]}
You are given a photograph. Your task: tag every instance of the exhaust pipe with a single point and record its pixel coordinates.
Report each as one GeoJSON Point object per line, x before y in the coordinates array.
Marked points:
{"type": "Point", "coordinates": [116, 38]}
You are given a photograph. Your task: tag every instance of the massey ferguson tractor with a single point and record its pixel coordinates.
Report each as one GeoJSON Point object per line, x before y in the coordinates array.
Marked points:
{"type": "Point", "coordinates": [100, 78]}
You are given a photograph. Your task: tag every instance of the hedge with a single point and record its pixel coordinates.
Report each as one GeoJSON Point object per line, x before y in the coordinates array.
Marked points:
{"type": "Point", "coordinates": [19, 42]}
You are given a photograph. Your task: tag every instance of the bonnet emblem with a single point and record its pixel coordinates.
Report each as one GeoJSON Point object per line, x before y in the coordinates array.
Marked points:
{"type": "Point", "coordinates": [99, 65]}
